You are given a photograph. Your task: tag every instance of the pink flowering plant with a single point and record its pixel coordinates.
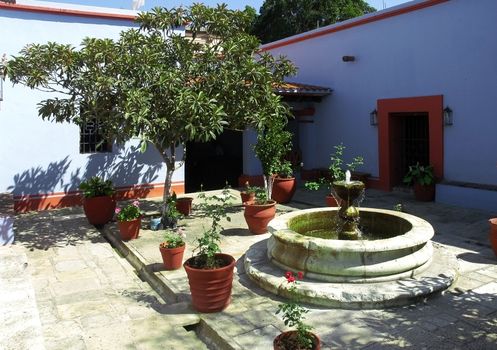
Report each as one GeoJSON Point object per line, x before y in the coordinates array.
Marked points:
{"type": "Point", "coordinates": [293, 314]}
{"type": "Point", "coordinates": [129, 213]}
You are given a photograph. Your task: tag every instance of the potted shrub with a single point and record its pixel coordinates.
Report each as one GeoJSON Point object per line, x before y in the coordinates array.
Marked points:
{"type": "Point", "coordinates": [284, 184]}
{"type": "Point", "coordinates": [98, 201]}
{"type": "Point", "coordinates": [183, 205]}
{"type": "Point", "coordinates": [336, 172]}
{"type": "Point", "coordinates": [129, 220]}
{"type": "Point", "coordinates": [210, 273]}
{"type": "Point", "coordinates": [423, 178]}
{"type": "Point", "coordinates": [493, 234]}
{"type": "Point", "coordinates": [259, 212]}
{"type": "Point", "coordinates": [172, 249]}
{"type": "Point", "coordinates": [293, 315]}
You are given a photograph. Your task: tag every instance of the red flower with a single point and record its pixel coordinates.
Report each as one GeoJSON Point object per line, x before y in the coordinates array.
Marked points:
{"type": "Point", "coordinates": [300, 275]}
{"type": "Point", "coordinates": [288, 274]}
{"type": "Point", "coordinates": [290, 279]}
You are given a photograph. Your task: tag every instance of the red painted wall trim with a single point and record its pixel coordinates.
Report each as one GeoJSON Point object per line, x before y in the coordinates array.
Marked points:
{"type": "Point", "coordinates": [66, 12]}
{"type": "Point", "coordinates": [433, 105]}
{"type": "Point", "coordinates": [359, 22]}
{"type": "Point", "coordinates": [58, 200]}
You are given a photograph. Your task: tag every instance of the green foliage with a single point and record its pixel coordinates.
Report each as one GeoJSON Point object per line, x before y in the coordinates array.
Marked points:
{"type": "Point", "coordinates": [157, 84]}
{"type": "Point", "coordinates": [173, 239]}
{"type": "Point", "coordinates": [96, 187]}
{"type": "Point", "coordinates": [215, 208]}
{"type": "Point", "coordinates": [284, 169]}
{"type": "Point", "coordinates": [293, 314]}
{"type": "Point", "coordinates": [421, 174]}
{"type": "Point", "coordinates": [282, 18]}
{"type": "Point", "coordinates": [129, 213]}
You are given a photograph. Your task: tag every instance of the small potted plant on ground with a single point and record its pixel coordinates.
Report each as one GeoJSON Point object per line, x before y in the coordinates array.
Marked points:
{"type": "Point", "coordinates": [423, 178]}
{"type": "Point", "coordinates": [284, 185]}
{"type": "Point", "coordinates": [259, 212]}
{"type": "Point", "coordinates": [493, 234]}
{"type": "Point", "coordinates": [129, 220]}
{"type": "Point", "coordinates": [98, 201]}
{"type": "Point", "coordinates": [183, 204]}
{"type": "Point", "coordinates": [172, 249]}
{"type": "Point", "coordinates": [336, 173]}
{"type": "Point", "coordinates": [210, 273]}
{"type": "Point", "coordinates": [293, 315]}
{"type": "Point", "coordinates": [248, 193]}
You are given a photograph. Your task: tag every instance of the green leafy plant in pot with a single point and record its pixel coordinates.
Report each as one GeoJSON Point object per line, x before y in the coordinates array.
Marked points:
{"type": "Point", "coordinates": [422, 178]}
{"type": "Point", "coordinates": [293, 315]}
{"type": "Point", "coordinates": [210, 273]}
{"type": "Point", "coordinates": [284, 185]}
{"type": "Point", "coordinates": [172, 248]}
{"type": "Point", "coordinates": [336, 172]}
{"type": "Point", "coordinates": [98, 201]}
{"type": "Point", "coordinates": [129, 220]}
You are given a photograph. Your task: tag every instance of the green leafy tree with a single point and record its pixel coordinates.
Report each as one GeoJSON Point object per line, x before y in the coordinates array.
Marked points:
{"type": "Point", "coordinates": [282, 18]}
{"type": "Point", "coordinates": [158, 85]}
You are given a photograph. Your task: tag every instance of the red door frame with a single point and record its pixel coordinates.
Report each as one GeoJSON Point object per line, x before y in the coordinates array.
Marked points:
{"type": "Point", "coordinates": [432, 105]}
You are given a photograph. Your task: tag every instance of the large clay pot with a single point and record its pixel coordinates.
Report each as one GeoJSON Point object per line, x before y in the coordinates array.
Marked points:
{"type": "Point", "coordinates": [287, 340]}
{"type": "Point", "coordinates": [211, 288]}
{"type": "Point", "coordinates": [424, 193]}
{"type": "Point", "coordinates": [184, 205]}
{"type": "Point", "coordinates": [129, 229]}
{"type": "Point", "coordinates": [258, 216]}
{"type": "Point", "coordinates": [99, 210]}
{"type": "Point", "coordinates": [172, 257]}
{"type": "Point", "coordinates": [331, 201]}
{"type": "Point", "coordinates": [283, 189]}
{"type": "Point", "coordinates": [493, 234]}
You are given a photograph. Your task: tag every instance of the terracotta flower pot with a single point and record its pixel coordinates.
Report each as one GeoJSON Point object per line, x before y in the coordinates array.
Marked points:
{"type": "Point", "coordinates": [424, 193]}
{"type": "Point", "coordinates": [211, 288]}
{"type": "Point", "coordinates": [258, 216]}
{"type": "Point", "coordinates": [493, 234]}
{"type": "Point", "coordinates": [184, 205]}
{"type": "Point", "coordinates": [247, 196]}
{"type": "Point", "coordinates": [288, 340]}
{"type": "Point", "coordinates": [172, 257]}
{"type": "Point", "coordinates": [331, 201]}
{"type": "Point", "coordinates": [99, 210]}
{"type": "Point", "coordinates": [283, 189]}
{"type": "Point", "coordinates": [129, 229]}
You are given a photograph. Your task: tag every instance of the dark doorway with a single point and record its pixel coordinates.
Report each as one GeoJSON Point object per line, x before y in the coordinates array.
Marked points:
{"type": "Point", "coordinates": [410, 143]}
{"type": "Point", "coordinates": [210, 165]}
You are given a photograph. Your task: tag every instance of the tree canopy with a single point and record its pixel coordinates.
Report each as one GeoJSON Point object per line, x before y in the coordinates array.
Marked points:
{"type": "Point", "coordinates": [282, 18]}
{"type": "Point", "coordinates": [157, 84]}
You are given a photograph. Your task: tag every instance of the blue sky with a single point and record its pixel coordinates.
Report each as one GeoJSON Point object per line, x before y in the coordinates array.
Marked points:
{"type": "Point", "coordinates": [126, 4]}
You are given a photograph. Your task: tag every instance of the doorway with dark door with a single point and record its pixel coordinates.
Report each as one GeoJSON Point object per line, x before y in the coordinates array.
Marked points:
{"type": "Point", "coordinates": [211, 165]}
{"type": "Point", "coordinates": [410, 143]}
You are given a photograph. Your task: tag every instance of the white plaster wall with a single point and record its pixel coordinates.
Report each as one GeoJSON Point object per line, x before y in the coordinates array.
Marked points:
{"type": "Point", "coordinates": [447, 49]}
{"type": "Point", "coordinates": [38, 156]}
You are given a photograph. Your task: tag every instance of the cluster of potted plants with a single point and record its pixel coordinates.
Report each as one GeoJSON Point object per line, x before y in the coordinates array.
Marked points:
{"type": "Point", "coordinates": [336, 172]}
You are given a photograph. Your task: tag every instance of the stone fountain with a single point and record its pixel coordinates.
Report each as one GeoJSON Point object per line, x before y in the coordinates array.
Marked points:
{"type": "Point", "coordinates": [352, 259]}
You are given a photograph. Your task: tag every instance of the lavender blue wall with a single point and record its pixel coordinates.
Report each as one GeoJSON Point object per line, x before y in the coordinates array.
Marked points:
{"type": "Point", "coordinates": [447, 49]}
{"type": "Point", "coordinates": [37, 156]}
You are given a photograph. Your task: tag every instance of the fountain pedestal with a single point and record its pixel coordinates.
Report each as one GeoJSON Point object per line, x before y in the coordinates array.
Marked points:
{"type": "Point", "coordinates": [349, 192]}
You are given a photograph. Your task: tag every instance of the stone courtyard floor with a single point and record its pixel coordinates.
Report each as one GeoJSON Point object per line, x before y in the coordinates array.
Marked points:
{"type": "Point", "coordinates": [66, 285]}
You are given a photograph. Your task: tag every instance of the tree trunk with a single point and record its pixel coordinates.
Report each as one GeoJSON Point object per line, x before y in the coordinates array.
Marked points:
{"type": "Point", "coordinates": [170, 163]}
{"type": "Point", "coordinates": [268, 184]}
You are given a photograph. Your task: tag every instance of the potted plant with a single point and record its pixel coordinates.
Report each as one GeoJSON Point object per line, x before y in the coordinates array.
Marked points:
{"type": "Point", "coordinates": [98, 201]}
{"type": "Point", "coordinates": [336, 172]}
{"type": "Point", "coordinates": [248, 193]}
{"type": "Point", "coordinates": [183, 205]}
{"type": "Point", "coordinates": [493, 234]}
{"type": "Point", "coordinates": [210, 273]}
{"type": "Point", "coordinates": [423, 178]}
{"type": "Point", "coordinates": [293, 314]}
{"type": "Point", "coordinates": [284, 185]}
{"type": "Point", "coordinates": [129, 220]}
{"type": "Point", "coordinates": [259, 212]}
{"type": "Point", "coordinates": [172, 249]}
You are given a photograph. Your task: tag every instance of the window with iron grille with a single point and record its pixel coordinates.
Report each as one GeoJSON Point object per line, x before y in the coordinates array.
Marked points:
{"type": "Point", "coordinates": [91, 139]}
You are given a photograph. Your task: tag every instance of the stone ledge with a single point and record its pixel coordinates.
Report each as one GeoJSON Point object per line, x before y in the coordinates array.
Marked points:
{"type": "Point", "coordinates": [437, 277]}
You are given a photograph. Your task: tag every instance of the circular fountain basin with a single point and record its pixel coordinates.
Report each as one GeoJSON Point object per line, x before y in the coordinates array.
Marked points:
{"type": "Point", "coordinates": [399, 265]}
{"type": "Point", "coordinates": [398, 246]}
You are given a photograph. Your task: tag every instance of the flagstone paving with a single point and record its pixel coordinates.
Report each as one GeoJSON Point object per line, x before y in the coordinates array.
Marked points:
{"type": "Point", "coordinates": [94, 295]}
